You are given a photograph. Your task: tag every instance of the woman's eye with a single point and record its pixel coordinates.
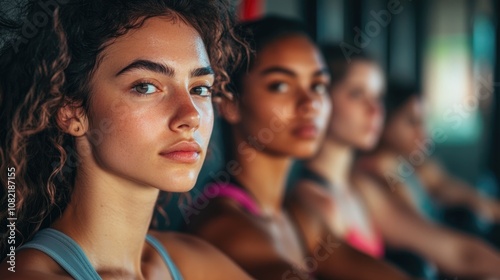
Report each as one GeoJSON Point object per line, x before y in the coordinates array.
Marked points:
{"type": "Point", "coordinates": [278, 87]}
{"type": "Point", "coordinates": [320, 88]}
{"type": "Point", "coordinates": [145, 88]}
{"type": "Point", "coordinates": [202, 91]}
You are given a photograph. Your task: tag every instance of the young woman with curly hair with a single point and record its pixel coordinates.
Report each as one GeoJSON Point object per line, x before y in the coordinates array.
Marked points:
{"type": "Point", "coordinates": [104, 104]}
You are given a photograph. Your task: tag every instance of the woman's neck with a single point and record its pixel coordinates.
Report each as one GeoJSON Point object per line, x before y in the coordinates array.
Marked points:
{"type": "Point", "coordinates": [109, 217]}
{"type": "Point", "coordinates": [264, 176]}
{"type": "Point", "coordinates": [334, 163]}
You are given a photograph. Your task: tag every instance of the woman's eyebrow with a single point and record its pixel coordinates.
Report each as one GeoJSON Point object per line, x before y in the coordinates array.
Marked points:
{"type": "Point", "coordinates": [282, 70]}
{"type": "Point", "coordinates": [202, 71]}
{"type": "Point", "coordinates": [148, 65]}
{"type": "Point", "coordinates": [163, 68]}
{"type": "Point", "coordinates": [321, 72]}
{"type": "Point", "coordinates": [278, 69]}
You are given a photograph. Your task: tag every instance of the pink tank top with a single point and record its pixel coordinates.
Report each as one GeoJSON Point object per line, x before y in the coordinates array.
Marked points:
{"type": "Point", "coordinates": [373, 247]}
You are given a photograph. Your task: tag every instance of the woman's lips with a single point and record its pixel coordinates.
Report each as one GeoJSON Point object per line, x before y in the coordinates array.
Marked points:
{"type": "Point", "coordinates": [183, 152]}
{"type": "Point", "coordinates": [306, 132]}
{"type": "Point", "coordinates": [183, 156]}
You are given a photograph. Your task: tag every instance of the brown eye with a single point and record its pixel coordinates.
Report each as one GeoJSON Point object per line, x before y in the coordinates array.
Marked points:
{"type": "Point", "coordinates": [278, 87]}
{"type": "Point", "coordinates": [145, 88]}
{"type": "Point", "coordinates": [202, 91]}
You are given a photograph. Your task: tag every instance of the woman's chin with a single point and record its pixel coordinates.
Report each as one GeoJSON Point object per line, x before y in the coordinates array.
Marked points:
{"type": "Point", "coordinates": [179, 182]}
{"type": "Point", "coordinates": [177, 188]}
{"type": "Point", "coordinates": [366, 147]}
{"type": "Point", "coordinates": [305, 153]}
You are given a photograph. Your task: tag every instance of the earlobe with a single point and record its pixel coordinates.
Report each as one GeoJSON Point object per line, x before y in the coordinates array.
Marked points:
{"type": "Point", "coordinates": [72, 120]}
{"type": "Point", "coordinates": [229, 109]}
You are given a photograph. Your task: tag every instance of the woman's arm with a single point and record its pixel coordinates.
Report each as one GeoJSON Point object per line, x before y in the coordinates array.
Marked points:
{"type": "Point", "coordinates": [189, 252]}
{"type": "Point", "coordinates": [334, 258]}
{"type": "Point", "coordinates": [234, 232]}
{"type": "Point", "coordinates": [452, 191]}
{"type": "Point", "coordinates": [33, 264]}
{"type": "Point", "coordinates": [453, 252]}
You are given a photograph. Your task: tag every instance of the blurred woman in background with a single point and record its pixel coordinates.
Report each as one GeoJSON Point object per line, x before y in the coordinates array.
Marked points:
{"type": "Point", "coordinates": [279, 112]}
{"type": "Point", "coordinates": [364, 212]}
{"type": "Point", "coordinates": [106, 105]}
{"type": "Point", "coordinates": [405, 155]}
{"type": "Point", "coordinates": [327, 181]}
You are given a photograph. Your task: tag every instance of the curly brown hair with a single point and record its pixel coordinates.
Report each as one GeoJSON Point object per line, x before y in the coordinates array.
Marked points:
{"type": "Point", "coordinates": [47, 63]}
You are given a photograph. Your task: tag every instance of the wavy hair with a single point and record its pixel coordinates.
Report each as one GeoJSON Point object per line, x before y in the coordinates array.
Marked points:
{"type": "Point", "coordinates": [47, 61]}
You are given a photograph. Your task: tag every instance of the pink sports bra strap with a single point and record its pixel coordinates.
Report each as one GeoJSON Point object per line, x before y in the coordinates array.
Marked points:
{"type": "Point", "coordinates": [373, 246]}
{"type": "Point", "coordinates": [237, 194]}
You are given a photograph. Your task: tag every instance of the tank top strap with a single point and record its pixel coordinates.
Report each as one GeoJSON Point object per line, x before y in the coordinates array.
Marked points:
{"type": "Point", "coordinates": [174, 271]}
{"type": "Point", "coordinates": [65, 251]}
{"type": "Point", "coordinates": [237, 194]}
{"type": "Point", "coordinates": [373, 246]}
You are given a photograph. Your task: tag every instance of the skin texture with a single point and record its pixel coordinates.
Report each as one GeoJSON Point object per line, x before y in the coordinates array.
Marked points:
{"type": "Point", "coordinates": [121, 173]}
{"type": "Point", "coordinates": [273, 246]}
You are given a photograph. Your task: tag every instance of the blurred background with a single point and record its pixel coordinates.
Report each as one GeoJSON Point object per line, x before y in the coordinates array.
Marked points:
{"type": "Point", "coordinates": [448, 49]}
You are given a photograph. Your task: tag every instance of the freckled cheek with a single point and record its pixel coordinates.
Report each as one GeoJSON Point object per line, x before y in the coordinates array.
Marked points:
{"type": "Point", "coordinates": [135, 130]}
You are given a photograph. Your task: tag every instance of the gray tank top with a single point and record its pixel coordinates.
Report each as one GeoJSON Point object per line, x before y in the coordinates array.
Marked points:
{"type": "Point", "coordinates": [70, 256]}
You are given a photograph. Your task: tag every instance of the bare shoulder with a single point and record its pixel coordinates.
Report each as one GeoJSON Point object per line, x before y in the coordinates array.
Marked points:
{"type": "Point", "coordinates": [376, 164]}
{"type": "Point", "coordinates": [310, 199]}
{"type": "Point", "coordinates": [378, 186]}
{"type": "Point", "coordinates": [188, 251]}
{"type": "Point", "coordinates": [224, 221]}
{"type": "Point", "coordinates": [220, 228]}
{"type": "Point", "coordinates": [364, 181]}
{"type": "Point", "coordinates": [184, 246]}
{"type": "Point", "coordinates": [312, 208]}
{"type": "Point", "coordinates": [431, 173]}
{"type": "Point", "coordinates": [244, 237]}
{"type": "Point", "coordinates": [32, 264]}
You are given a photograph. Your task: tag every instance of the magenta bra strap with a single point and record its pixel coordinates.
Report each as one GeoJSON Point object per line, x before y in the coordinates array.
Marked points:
{"type": "Point", "coordinates": [372, 246]}
{"type": "Point", "coordinates": [237, 194]}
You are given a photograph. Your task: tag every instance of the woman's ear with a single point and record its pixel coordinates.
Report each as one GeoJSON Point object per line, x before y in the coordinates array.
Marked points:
{"type": "Point", "coordinates": [72, 119]}
{"type": "Point", "coordinates": [229, 109]}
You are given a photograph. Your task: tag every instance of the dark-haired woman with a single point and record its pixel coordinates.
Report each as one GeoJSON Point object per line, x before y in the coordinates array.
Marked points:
{"type": "Point", "coordinates": [403, 208]}
{"type": "Point", "coordinates": [327, 182]}
{"type": "Point", "coordinates": [102, 107]}
{"type": "Point", "coordinates": [365, 213]}
{"type": "Point", "coordinates": [279, 113]}
{"type": "Point", "coordinates": [430, 183]}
